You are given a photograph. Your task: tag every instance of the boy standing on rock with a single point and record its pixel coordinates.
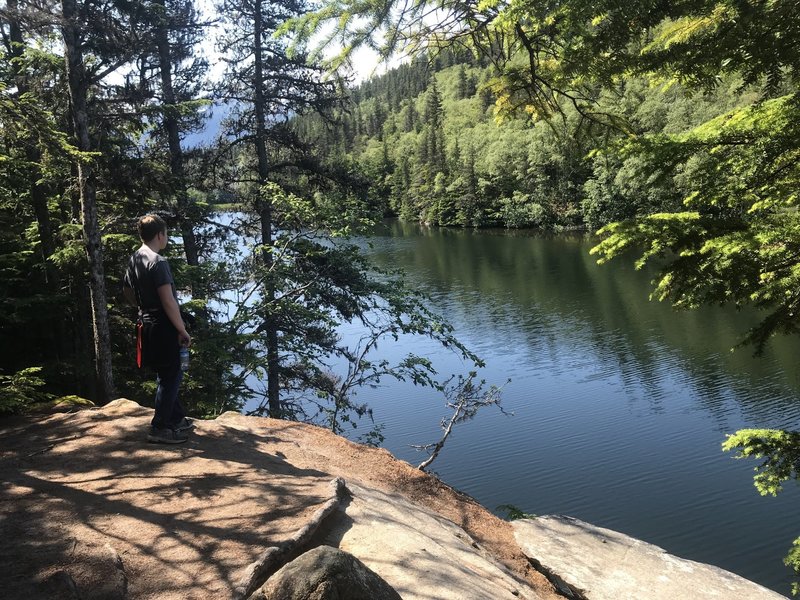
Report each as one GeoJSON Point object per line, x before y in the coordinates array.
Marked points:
{"type": "Point", "coordinates": [148, 283]}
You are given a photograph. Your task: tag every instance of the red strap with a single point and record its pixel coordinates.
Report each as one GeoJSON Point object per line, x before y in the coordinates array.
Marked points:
{"type": "Point", "coordinates": [139, 345]}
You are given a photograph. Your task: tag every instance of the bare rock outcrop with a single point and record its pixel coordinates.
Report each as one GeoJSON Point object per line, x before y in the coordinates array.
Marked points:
{"type": "Point", "coordinates": [325, 573]}
{"type": "Point", "coordinates": [595, 563]}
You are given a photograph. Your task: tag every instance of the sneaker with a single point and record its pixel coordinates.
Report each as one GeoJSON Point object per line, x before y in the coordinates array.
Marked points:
{"type": "Point", "coordinates": [186, 424]}
{"type": "Point", "coordinates": [166, 436]}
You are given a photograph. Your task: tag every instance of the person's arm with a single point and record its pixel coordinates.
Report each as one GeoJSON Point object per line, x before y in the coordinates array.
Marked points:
{"type": "Point", "coordinates": [173, 312]}
{"type": "Point", "coordinates": [129, 294]}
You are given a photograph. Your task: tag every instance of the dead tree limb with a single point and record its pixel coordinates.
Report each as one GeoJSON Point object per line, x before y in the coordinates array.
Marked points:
{"type": "Point", "coordinates": [465, 398]}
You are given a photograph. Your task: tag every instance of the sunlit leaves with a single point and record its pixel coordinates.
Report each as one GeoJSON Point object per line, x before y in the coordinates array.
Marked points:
{"type": "Point", "coordinates": [779, 451]}
{"type": "Point", "coordinates": [751, 38]}
{"type": "Point", "coordinates": [739, 242]}
{"type": "Point", "coordinates": [685, 29]}
{"type": "Point", "coordinates": [793, 560]}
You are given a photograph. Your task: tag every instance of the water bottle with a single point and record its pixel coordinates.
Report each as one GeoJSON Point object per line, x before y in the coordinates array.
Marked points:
{"type": "Point", "coordinates": [184, 358]}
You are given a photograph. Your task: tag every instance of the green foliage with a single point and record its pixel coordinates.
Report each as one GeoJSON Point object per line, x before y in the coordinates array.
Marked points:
{"type": "Point", "coordinates": [750, 39]}
{"type": "Point", "coordinates": [514, 513]}
{"type": "Point", "coordinates": [521, 211]}
{"type": "Point", "coordinates": [780, 451]}
{"type": "Point", "coordinates": [321, 281]}
{"type": "Point", "coordinates": [448, 163]}
{"type": "Point", "coordinates": [71, 401]}
{"type": "Point", "coordinates": [793, 560]}
{"type": "Point", "coordinates": [780, 454]}
{"type": "Point", "coordinates": [736, 240]}
{"type": "Point", "coordinates": [20, 390]}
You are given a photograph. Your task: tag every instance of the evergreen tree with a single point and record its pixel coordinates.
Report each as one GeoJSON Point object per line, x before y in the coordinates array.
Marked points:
{"type": "Point", "coordinates": [105, 33]}
{"type": "Point", "coordinates": [308, 280]}
{"type": "Point", "coordinates": [462, 91]}
{"type": "Point", "coordinates": [31, 307]}
{"type": "Point", "coordinates": [262, 83]}
{"type": "Point", "coordinates": [20, 78]}
{"type": "Point", "coordinates": [177, 83]}
{"type": "Point", "coordinates": [433, 132]}
{"type": "Point", "coordinates": [411, 117]}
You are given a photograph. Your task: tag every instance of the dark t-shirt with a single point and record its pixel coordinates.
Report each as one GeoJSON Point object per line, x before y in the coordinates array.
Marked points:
{"type": "Point", "coordinates": [147, 271]}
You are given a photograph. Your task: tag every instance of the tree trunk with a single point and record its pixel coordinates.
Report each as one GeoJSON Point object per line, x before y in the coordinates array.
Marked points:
{"type": "Point", "coordinates": [78, 93]}
{"type": "Point", "coordinates": [264, 206]}
{"type": "Point", "coordinates": [86, 383]}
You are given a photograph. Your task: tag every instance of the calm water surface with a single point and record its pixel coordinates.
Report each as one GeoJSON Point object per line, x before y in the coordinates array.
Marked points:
{"type": "Point", "coordinates": [619, 404]}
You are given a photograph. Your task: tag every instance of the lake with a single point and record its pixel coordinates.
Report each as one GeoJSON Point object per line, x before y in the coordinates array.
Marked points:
{"type": "Point", "coordinates": [619, 404]}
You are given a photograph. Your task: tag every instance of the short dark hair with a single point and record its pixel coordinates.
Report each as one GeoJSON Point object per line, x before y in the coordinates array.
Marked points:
{"type": "Point", "coordinates": [150, 226]}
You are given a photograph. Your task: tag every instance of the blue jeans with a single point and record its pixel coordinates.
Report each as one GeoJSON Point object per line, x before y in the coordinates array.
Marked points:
{"type": "Point", "coordinates": [169, 411]}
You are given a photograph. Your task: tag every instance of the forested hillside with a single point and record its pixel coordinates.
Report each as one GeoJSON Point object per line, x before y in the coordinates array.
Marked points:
{"type": "Point", "coordinates": [433, 139]}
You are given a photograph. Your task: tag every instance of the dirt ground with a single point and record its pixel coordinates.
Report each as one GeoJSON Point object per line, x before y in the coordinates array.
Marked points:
{"type": "Point", "coordinates": [85, 494]}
